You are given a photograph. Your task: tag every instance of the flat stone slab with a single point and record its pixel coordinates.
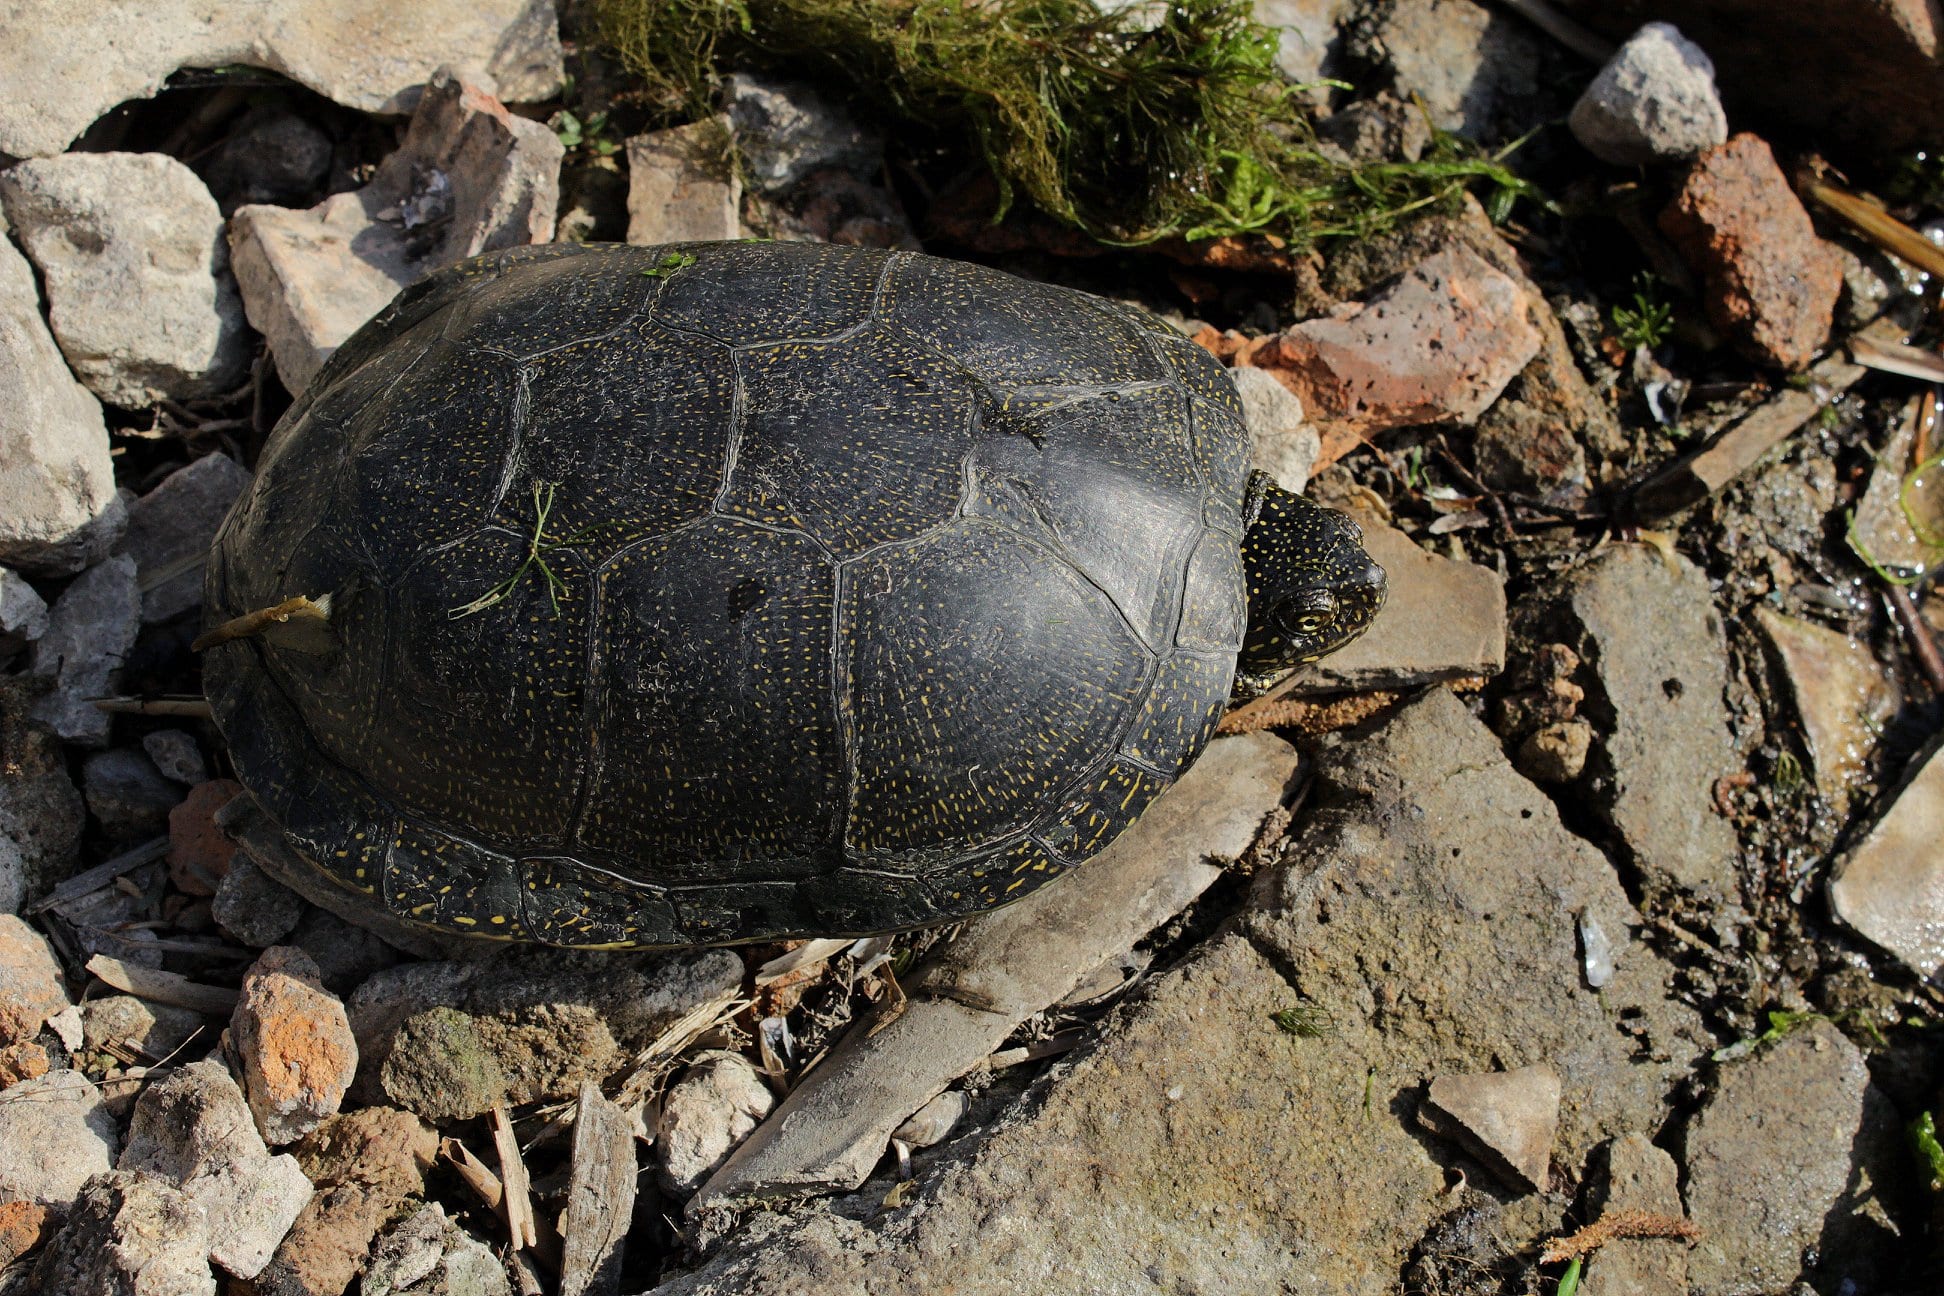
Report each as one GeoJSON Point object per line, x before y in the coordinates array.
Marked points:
{"type": "Point", "coordinates": [1442, 620]}
{"type": "Point", "coordinates": [1005, 966]}
{"type": "Point", "coordinates": [1507, 1118]}
{"type": "Point", "coordinates": [1891, 886]}
{"type": "Point", "coordinates": [65, 64]}
{"type": "Point", "coordinates": [1840, 693]}
{"type": "Point", "coordinates": [675, 194]}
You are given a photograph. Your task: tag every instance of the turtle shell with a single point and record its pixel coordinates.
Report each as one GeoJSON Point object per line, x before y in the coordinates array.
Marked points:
{"type": "Point", "coordinates": [731, 591]}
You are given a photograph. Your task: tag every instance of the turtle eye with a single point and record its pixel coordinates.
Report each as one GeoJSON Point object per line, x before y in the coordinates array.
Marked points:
{"type": "Point", "coordinates": [1307, 613]}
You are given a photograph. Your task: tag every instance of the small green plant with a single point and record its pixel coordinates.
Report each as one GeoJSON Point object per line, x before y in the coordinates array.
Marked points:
{"type": "Point", "coordinates": [1649, 321]}
{"type": "Point", "coordinates": [589, 134]}
{"type": "Point", "coordinates": [1781, 1023]}
{"type": "Point", "coordinates": [1788, 773]}
{"type": "Point", "coordinates": [1305, 1021]}
{"type": "Point", "coordinates": [1569, 1281]}
{"type": "Point", "coordinates": [1930, 1153]}
{"type": "Point", "coordinates": [669, 264]}
{"type": "Point", "coordinates": [538, 547]}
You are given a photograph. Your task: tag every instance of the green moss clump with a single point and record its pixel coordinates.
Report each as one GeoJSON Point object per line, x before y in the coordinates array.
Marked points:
{"type": "Point", "coordinates": [1132, 126]}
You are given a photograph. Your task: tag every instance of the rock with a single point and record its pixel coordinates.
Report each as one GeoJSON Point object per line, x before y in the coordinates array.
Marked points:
{"type": "Point", "coordinates": [23, 1061]}
{"type": "Point", "coordinates": [199, 852]}
{"type": "Point", "coordinates": [682, 186]}
{"type": "Point", "coordinates": [1654, 101]}
{"type": "Point", "coordinates": [1306, 35]}
{"type": "Point", "coordinates": [155, 1029]}
{"type": "Point", "coordinates": [365, 1164]}
{"type": "Point", "coordinates": [1474, 69]}
{"type": "Point", "coordinates": [1507, 1119]}
{"type": "Point", "coordinates": [1382, 128]}
{"type": "Point", "coordinates": [1436, 346]}
{"type": "Point", "coordinates": [175, 754]}
{"type": "Point", "coordinates": [1771, 283]}
{"type": "Point", "coordinates": [41, 811]}
{"type": "Point", "coordinates": [346, 955]}
{"type": "Point", "coordinates": [192, 1128]}
{"type": "Point", "coordinates": [138, 293]}
{"type": "Point", "coordinates": [271, 155]}
{"type": "Point", "coordinates": [1633, 1174]}
{"type": "Point", "coordinates": [127, 795]}
{"type": "Point", "coordinates": [705, 1114]}
{"type": "Point", "coordinates": [293, 1044]}
{"type": "Point", "coordinates": [1534, 438]}
{"type": "Point", "coordinates": [1784, 1160]}
{"type": "Point", "coordinates": [933, 1123]}
{"type": "Point", "coordinates": [132, 1234]}
{"type": "Point", "coordinates": [1890, 886]}
{"type": "Point", "coordinates": [786, 129]}
{"type": "Point", "coordinates": [32, 988]}
{"type": "Point", "coordinates": [253, 907]}
{"type": "Point", "coordinates": [547, 1019]}
{"type": "Point", "coordinates": [1442, 620]}
{"type": "Point", "coordinates": [426, 1254]}
{"type": "Point", "coordinates": [1840, 693]}
{"type": "Point", "coordinates": [1195, 1147]}
{"type": "Point", "coordinates": [60, 1115]}
{"type": "Point", "coordinates": [23, 1226]}
{"type": "Point", "coordinates": [62, 512]}
{"type": "Point", "coordinates": [23, 613]}
{"type": "Point", "coordinates": [1556, 753]}
{"type": "Point", "coordinates": [67, 65]}
{"type": "Point", "coordinates": [1280, 443]}
{"type": "Point", "coordinates": [470, 177]}
{"type": "Point", "coordinates": [170, 530]}
{"type": "Point", "coordinates": [1004, 967]}
{"type": "Point", "coordinates": [1875, 64]}
{"type": "Point", "coordinates": [89, 633]}
{"type": "Point", "coordinates": [1660, 663]}
{"type": "Point", "coordinates": [438, 1068]}
{"type": "Point", "coordinates": [1900, 519]}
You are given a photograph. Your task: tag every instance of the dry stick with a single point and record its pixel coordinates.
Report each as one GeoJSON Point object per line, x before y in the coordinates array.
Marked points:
{"type": "Point", "coordinates": [473, 1172]}
{"type": "Point", "coordinates": [517, 1203]}
{"type": "Point", "coordinates": [190, 708]}
{"type": "Point", "coordinates": [1922, 644]}
{"type": "Point", "coordinates": [101, 875]}
{"type": "Point", "coordinates": [163, 987]}
{"type": "Point", "coordinates": [1615, 1225]}
{"type": "Point", "coordinates": [1880, 227]}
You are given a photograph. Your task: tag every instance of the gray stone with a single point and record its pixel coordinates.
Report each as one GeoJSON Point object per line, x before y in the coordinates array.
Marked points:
{"type": "Point", "coordinates": [470, 177]}
{"type": "Point", "coordinates": [1635, 1175]}
{"type": "Point", "coordinates": [548, 1018]}
{"type": "Point", "coordinates": [57, 482]}
{"type": "Point", "coordinates": [438, 1068]}
{"type": "Point", "coordinates": [271, 155]}
{"type": "Point", "coordinates": [1442, 620]}
{"type": "Point", "coordinates": [1194, 1147]}
{"type": "Point", "coordinates": [193, 1129]}
{"type": "Point", "coordinates": [1306, 35]}
{"type": "Point", "coordinates": [1004, 967]}
{"type": "Point", "coordinates": [1507, 1119]}
{"type": "Point", "coordinates": [346, 955]}
{"type": "Point", "coordinates": [156, 1030]}
{"type": "Point", "coordinates": [176, 754]}
{"type": "Point", "coordinates": [23, 613]}
{"type": "Point", "coordinates": [682, 187]}
{"type": "Point", "coordinates": [1841, 696]}
{"type": "Point", "coordinates": [42, 814]}
{"type": "Point", "coordinates": [1280, 443]}
{"type": "Point", "coordinates": [1654, 101]}
{"type": "Point", "coordinates": [60, 1115]}
{"type": "Point", "coordinates": [68, 64]}
{"type": "Point", "coordinates": [170, 530]}
{"type": "Point", "coordinates": [138, 293]}
{"type": "Point", "coordinates": [127, 795]}
{"type": "Point", "coordinates": [427, 1254]}
{"type": "Point", "coordinates": [254, 907]}
{"type": "Point", "coordinates": [705, 1114]}
{"type": "Point", "coordinates": [786, 129]}
{"type": "Point", "coordinates": [89, 633]}
{"type": "Point", "coordinates": [1789, 1156]}
{"type": "Point", "coordinates": [1900, 517]}
{"type": "Point", "coordinates": [934, 1122]}
{"type": "Point", "coordinates": [132, 1235]}
{"type": "Point", "coordinates": [1660, 664]}
{"type": "Point", "coordinates": [1471, 66]}
{"type": "Point", "coordinates": [31, 986]}
{"type": "Point", "coordinates": [1890, 886]}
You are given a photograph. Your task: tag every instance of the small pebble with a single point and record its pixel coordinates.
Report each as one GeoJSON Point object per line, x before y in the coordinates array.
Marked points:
{"type": "Point", "coordinates": [175, 753]}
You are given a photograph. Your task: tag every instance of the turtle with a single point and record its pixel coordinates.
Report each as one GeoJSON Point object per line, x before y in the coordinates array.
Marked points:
{"type": "Point", "coordinates": [611, 596]}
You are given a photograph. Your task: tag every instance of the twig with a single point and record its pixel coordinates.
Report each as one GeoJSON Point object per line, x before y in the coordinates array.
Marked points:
{"type": "Point", "coordinates": [163, 987]}
{"type": "Point", "coordinates": [190, 708]}
{"type": "Point", "coordinates": [1922, 644]}
{"type": "Point", "coordinates": [473, 1172]}
{"type": "Point", "coordinates": [1493, 504]}
{"type": "Point", "coordinates": [1613, 1226]}
{"type": "Point", "coordinates": [82, 884]}
{"type": "Point", "coordinates": [1880, 227]}
{"type": "Point", "coordinates": [516, 1205]}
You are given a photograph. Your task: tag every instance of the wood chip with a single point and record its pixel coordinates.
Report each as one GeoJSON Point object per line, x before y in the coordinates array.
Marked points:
{"type": "Point", "coordinates": [805, 955]}
{"type": "Point", "coordinates": [101, 875]}
{"type": "Point", "coordinates": [163, 987]}
{"type": "Point", "coordinates": [516, 1203]}
{"type": "Point", "coordinates": [600, 1197]}
{"type": "Point", "coordinates": [1897, 358]}
{"type": "Point", "coordinates": [477, 1176]}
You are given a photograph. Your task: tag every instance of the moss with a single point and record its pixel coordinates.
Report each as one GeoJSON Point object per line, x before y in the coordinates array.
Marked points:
{"type": "Point", "coordinates": [1128, 131]}
{"type": "Point", "coordinates": [441, 1069]}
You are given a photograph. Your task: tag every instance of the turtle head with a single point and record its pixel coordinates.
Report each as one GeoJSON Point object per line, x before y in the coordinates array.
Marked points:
{"type": "Point", "coordinates": [1312, 588]}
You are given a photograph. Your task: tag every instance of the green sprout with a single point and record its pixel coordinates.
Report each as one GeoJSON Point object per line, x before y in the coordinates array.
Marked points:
{"type": "Point", "coordinates": [1926, 537]}
{"type": "Point", "coordinates": [590, 134]}
{"type": "Point", "coordinates": [538, 546]}
{"type": "Point", "coordinates": [669, 264]}
{"type": "Point", "coordinates": [1788, 772]}
{"type": "Point", "coordinates": [1923, 1136]}
{"type": "Point", "coordinates": [1781, 1023]}
{"type": "Point", "coordinates": [1305, 1021]}
{"type": "Point", "coordinates": [1649, 321]}
{"type": "Point", "coordinates": [1569, 1281]}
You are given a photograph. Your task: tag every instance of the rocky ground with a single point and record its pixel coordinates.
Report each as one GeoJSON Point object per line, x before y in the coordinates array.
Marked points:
{"type": "Point", "coordinates": [1578, 926]}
